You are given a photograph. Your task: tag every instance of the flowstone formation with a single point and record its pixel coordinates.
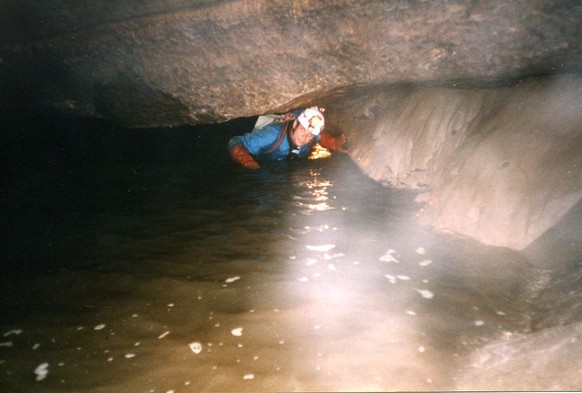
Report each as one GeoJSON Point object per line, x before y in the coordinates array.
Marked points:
{"type": "Point", "coordinates": [438, 96]}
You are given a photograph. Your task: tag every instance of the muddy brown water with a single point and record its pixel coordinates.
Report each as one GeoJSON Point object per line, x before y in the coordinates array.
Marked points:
{"type": "Point", "coordinates": [147, 262]}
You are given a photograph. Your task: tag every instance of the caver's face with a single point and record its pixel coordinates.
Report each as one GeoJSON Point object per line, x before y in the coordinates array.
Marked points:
{"type": "Point", "coordinates": [299, 135]}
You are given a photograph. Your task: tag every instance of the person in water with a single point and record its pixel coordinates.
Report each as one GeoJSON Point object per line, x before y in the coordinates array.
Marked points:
{"type": "Point", "coordinates": [291, 135]}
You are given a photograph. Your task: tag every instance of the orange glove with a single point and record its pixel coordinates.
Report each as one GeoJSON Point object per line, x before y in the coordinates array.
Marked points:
{"type": "Point", "coordinates": [242, 156]}
{"type": "Point", "coordinates": [331, 142]}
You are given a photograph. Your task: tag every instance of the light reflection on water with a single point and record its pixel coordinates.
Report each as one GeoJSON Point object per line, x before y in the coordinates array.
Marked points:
{"type": "Point", "coordinates": [315, 198]}
{"type": "Point", "coordinates": [322, 274]}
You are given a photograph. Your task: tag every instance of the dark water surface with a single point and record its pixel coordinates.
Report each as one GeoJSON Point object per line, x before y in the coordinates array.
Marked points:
{"type": "Point", "coordinates": [145, 261]}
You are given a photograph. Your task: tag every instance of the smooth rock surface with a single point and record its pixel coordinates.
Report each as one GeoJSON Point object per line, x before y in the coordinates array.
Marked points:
{"type": "Point", "coordinates": [161, 63]}
{"type": "Point", "coordinates": [500, 165]}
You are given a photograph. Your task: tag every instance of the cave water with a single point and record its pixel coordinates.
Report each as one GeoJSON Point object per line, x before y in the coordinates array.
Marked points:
{"type": "Point", "coordinates": [145, 260]}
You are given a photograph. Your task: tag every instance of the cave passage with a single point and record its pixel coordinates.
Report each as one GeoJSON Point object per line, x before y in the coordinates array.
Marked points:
{"type": "Point", "coordinates": [145, 260]}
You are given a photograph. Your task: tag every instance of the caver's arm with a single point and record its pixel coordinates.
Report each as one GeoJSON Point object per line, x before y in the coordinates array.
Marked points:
{"type": "Point", "coordinates": [243, 157]}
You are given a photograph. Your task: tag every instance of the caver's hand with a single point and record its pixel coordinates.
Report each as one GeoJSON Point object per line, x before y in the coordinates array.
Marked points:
{"type": "Point", "coordinates": [243, 157]}
{"type": "Point", "coordinates": [333, 143]}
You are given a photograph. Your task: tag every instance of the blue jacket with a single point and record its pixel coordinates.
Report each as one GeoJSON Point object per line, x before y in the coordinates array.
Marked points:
{"type": "Point", "coordinates": [260, 140]}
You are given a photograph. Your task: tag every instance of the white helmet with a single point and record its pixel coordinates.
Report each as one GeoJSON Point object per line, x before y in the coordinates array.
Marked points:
{"type": "Point", "coordinates": [312, 119]}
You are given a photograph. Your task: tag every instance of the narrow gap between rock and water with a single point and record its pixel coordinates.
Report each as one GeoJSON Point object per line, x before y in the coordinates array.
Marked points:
{"type": "Point", "coordinates": [146, 261]}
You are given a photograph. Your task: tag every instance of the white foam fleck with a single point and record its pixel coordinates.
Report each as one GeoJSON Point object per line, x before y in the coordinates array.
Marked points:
{"type": "Point", "coordinates": [237, 331]}
{"type": "Point", "coordinates": [196, 347]}
{"type": "Point", "coordinates": [310, 261]}
{"type": "Point", "coordinates": [6, 344]}
{"type": "Point", "coordinates": [331, 267]}
{"type": "Point", "coordinates": [390, 278]}
{"type": "Point", "coordinates": [321, 248]}
{"type": "Point", "coordinates": [249, 376]}
{"type": "Point", "coordinates": [99, 327]}
{"type": "Point", "coordinates": [479, 322]}
{"type": "Point", "coordinates": [15, 332]}
{"type": "Point", "coordinates": [232, 279]}
{"type": "Point", "coordinates": [499, 313]}
{"type": "Point", "coordinates": [426, 262]}
{"type": "Point", "coordinates": [410, 312]}
{"type": "Point", "coordinates": [403, 277]}
{"type": "Point", "coordinates": [170, 304]}
{"type": "Point", "coordinates": [36, 346]}
{"type": "Point", "coordinates": [388, 257]}
{"type": "Point", "coordinates": [41, 371]}
{"type": "Point", "coordinates": [425, 293]}
{"type": "Point", "coordinates": [129, 355]}
{"type": "Point", "coordinates": [303, 279]}
{"type": "Point", "coordinates": [420, 251]}
{"type": "Point", "coordinates": [421, 349]}
{"type": "Point", "coordinates": [163, 335]}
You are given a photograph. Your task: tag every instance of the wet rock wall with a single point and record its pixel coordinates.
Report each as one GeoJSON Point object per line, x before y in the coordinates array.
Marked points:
{"type": "Point", "coordinates": [501, 165]}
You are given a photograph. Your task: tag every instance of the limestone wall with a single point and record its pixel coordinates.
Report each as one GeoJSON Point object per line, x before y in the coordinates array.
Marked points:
{"type": "Point", "coordinates": [501, 165]}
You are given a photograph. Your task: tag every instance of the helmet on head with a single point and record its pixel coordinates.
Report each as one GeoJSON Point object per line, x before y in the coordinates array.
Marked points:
{"type": "Point", "coordinates": [312, 119]}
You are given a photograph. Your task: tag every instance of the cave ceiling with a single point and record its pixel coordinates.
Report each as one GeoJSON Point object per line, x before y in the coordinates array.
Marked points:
{"type": "Point", "coordinates": [146, 63]}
